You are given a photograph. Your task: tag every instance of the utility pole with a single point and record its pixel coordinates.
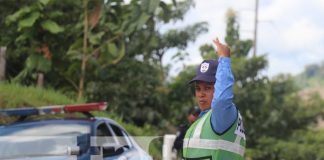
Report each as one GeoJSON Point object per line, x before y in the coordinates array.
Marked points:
{"type": "Point", "coordinates": [255, 28]}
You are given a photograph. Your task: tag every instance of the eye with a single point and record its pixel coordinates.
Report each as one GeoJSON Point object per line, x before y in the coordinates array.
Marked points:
{"type": "Point", "coordinates": [208, 88]}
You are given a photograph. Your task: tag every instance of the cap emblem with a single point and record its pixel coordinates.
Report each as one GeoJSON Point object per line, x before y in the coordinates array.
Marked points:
{"type": "Point", "coordinates": [204, 67]}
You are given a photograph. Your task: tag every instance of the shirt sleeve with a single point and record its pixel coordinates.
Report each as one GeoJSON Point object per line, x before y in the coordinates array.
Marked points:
{"type": "Point", "coordinates": [224, 112]}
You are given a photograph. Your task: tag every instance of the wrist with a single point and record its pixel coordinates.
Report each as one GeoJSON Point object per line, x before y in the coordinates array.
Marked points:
{"type": "Point", "coordinates": [224, 58]}
{"type": "Point", "coordinates": [228, 56]}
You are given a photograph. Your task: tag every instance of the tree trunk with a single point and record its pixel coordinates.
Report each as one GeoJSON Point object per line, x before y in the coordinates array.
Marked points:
{"type": "Point", "coordinates": [2, 63]}
{"type": "Point", "coordinates": [84, 55]}
{"type": "Point", "coordinates": [40, 80]}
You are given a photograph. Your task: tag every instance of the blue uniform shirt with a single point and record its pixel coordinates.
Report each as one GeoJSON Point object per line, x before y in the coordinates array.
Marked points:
{"type": "Point", "coordinates": [224, 112]}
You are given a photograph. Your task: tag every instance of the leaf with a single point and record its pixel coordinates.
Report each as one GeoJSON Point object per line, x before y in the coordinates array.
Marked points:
{"type": "Point", "coordinates": [38, 62]}
{"type": "Point", "coordinates": [166, 12]}
{"type": "Point", "coordinates": [112, 26]}
{"type": "Point", "coordinates": [23, 37]}
{"type": "Point", "coordinates": [77, 45]}
{"type": "Point", "coordinates": [44, 65]}
{"type": "Point", "coordinates": [31, 62]}
{"type": "Point", "coordinates": [111, 54]}
{"type": "Point", "coordinates": [112, 49]}
{"type": "Point", "coordinates": [131, 28]}
{"type": "Point", "coordinates": [96, 38]}
{"type": "Point", "coordinates": [28, 22]}
{"type": "Point", "coordinates": [174, 2]}
{"type": "Point", "coordinates": [22, 75]}
{"type": "Point", "coordinates": [142, 20]}
{"type": "Point", "coordinates": [153, 5]}
{"type": "Point", "coordinates": [121, 54]}
{"type": "Point", "coordinates": [44, 2]}
{"type": "Point", "coordinates": [14, 17]}
{"type": "Point", "coordinates": [55, 14]}
{"type": "Point", "coordinates": [52, 26]}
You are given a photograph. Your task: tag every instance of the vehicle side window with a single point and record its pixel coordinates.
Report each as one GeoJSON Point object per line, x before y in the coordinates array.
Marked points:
{"type": "Point", "coordinates": [127, 138]}
{"type": "Point", "coordinates": [104, 135]}
{"type": "Point", "coordinates": [121, 136]}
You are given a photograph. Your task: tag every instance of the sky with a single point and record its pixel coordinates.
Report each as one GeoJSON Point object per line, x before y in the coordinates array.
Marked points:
{"type": "Point", "coordinates": [290, 32]}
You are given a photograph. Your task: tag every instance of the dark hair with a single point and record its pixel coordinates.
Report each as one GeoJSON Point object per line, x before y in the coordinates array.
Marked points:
{"type": "Point", "coordinates": [194, 111]}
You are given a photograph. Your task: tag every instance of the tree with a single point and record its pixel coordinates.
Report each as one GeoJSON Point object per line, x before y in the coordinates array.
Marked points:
{"type": "Point", "coordinates": [140, 76]}
{"type": "Point", "coordinates": [35, 30]}
{"type": "Point", "coordinates": [105, 43]}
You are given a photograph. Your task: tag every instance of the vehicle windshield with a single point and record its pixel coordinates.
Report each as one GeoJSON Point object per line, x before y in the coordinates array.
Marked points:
{"type": "Point", "coordinates": [32, 140]}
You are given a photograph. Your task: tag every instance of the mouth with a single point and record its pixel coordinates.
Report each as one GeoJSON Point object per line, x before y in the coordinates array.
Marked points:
{"type": "Point", "coordinates": [202, 102]}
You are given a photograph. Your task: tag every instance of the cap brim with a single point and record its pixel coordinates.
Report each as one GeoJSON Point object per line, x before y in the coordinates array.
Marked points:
{"type": "Point", "coordinates": [210, 79]}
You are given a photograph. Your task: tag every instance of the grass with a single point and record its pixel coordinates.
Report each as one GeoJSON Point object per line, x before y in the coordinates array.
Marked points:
{"type": "Point", "coordinates": [14, 96]}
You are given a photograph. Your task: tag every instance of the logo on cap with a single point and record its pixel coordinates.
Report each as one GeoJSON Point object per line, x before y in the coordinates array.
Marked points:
{"type": "Point", "coordinates": [204, 67]}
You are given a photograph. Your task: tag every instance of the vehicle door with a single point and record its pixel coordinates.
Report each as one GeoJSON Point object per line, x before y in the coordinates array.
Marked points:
{"type": "Point", "coordinates": [104, 136]}
{"type": "Point", "coordinates": [130, 151]}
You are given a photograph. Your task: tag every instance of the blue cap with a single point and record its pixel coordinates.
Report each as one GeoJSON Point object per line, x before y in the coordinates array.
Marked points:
{"type": "Point", "coordinates": [206, 71]}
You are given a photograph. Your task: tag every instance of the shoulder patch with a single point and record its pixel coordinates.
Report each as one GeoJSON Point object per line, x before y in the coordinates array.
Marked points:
{"type": "Point", "coordinates": [240, 128]}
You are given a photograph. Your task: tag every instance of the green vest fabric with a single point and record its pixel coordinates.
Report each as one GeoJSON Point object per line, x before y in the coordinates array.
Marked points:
{"type": "Point", "coordinates": [202, 143]}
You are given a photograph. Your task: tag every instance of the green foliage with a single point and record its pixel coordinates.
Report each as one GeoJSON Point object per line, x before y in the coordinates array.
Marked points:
{"type": "Point", "coordinates": [145, 97]}
{"type": "Point", "coordinates": [268, 106]}
{"type": "Point", "coordinates": [301, 145]}
{"type": "Point", "coordinates": [180, 95]}
{"type": "Point", "coordinates": [134, 83]}
{"type": "Point", "coordinates": [311, 77]}
{"type": "Point", "coordinates": [32, 36]}
{"type": "Point", "coordinates": [29, 21]}
{"type": "Point", "coordinates": [15, 95]}
{"type": "Point", "coordinates": [51, 26]}
{"type": "Point", "coordinates": [38, 62]}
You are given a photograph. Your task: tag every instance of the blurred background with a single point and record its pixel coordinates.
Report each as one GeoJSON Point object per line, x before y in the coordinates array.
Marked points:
{"type": "Point", "coordinates": [138, 55]}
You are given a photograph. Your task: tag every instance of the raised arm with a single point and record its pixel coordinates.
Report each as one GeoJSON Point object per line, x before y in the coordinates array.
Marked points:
{"type": "Point", "coordinates": [224, 112]}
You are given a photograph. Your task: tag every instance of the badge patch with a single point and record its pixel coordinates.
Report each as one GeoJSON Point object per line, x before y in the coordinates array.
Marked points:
{"type": "Point", "coordinates": [240, 128]}
{"type": "Point", "coordinates": [204, 67]}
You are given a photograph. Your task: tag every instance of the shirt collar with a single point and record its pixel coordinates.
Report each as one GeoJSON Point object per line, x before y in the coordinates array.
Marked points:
{"type": "Point", "coordinates": [203, 112]}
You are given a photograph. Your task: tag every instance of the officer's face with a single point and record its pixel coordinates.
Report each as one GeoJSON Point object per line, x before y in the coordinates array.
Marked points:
{"type": "Point", "coordinates": [204, 94]}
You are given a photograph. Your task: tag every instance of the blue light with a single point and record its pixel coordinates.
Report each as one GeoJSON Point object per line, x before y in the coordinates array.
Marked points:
{"type": "Point", "coordinates": [19, 112]}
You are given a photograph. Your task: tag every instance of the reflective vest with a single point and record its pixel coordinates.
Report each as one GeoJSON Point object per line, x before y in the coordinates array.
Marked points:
{"type": "Point", "coordinates": [201, 142]}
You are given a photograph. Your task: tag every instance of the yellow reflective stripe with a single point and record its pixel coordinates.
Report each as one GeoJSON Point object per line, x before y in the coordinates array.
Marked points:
{"type": "Point", "coordinates": [199, 126]}
{"type": "Point", "coordinates": [214, 145]}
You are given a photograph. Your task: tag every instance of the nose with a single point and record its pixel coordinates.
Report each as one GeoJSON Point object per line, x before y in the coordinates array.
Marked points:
{"type": "Point", "coordinates": [201, 94]}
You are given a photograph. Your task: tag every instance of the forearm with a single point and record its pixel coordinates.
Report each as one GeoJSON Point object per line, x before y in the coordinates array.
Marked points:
{"type": "Point", "coordinates": [224, 112]}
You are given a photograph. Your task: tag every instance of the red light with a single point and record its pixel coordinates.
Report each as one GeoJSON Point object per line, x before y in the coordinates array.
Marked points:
{"type": "Point", "coordinates": [57, 110]}
{"type": "Point", "coordinates": [85, 107]}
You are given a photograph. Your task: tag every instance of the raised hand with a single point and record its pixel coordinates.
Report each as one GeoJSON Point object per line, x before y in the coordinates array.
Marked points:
{"type": "Point", "coordinates": [222, 49]}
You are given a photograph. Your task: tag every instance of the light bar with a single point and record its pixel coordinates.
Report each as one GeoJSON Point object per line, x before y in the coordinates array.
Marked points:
{"type": "Point", "coordinates": [54, 109]}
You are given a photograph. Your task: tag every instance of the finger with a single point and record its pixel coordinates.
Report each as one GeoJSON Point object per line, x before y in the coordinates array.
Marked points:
{"type": "Point", "coordinates": [216, 41]}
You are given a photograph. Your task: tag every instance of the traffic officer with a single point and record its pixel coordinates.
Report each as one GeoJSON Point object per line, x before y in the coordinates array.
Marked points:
{"type": "Point", "coordinates": [218, 134]}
